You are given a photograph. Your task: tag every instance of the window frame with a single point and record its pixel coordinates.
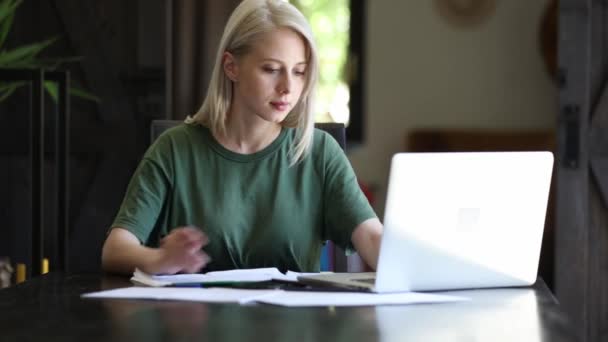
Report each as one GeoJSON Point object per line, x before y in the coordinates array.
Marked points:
{"type": "Point", "coordinates": [355, 133]}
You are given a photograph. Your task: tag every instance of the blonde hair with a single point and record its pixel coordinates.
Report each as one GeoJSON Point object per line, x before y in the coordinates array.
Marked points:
{"type": "Point", "coordinates": [250, 19]}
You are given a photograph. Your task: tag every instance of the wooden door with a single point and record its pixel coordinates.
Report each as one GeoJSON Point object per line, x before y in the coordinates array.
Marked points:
{"type": "Point", "coordinates": [581, 264]}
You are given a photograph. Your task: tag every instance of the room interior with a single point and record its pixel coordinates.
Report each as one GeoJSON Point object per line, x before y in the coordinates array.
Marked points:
{"type": "Point", "coordinates": [456, 77]}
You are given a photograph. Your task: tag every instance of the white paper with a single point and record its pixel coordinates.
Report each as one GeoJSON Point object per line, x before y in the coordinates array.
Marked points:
{"type": "Point", "coordinates": [211, 295]}
{"type": "Point", "coordinates": [313, 298]}
{"type": "Point", "coordinates": [240, 275]}
{"type": "Point", "coordinates": [275, 297]}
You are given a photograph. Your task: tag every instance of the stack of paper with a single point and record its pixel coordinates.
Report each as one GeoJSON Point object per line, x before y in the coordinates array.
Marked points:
{"type": "Point", "coordinates": [159, 288]}
{"type": "Point", "coordinates": [275, 297]}
{"type": "Point", "coordinates": [210, 295]}
{"type": "Point", "coordinates": [219, 277]}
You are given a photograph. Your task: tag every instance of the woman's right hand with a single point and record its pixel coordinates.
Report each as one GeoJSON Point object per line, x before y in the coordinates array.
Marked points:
{"type": "Point", "coordinates": [181, 251]}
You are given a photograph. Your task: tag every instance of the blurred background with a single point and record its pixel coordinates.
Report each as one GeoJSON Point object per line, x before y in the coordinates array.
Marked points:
{"type": "Point", "coordinates": [403, 75]}
{"type": "Point", "coordinates": [415, 75]}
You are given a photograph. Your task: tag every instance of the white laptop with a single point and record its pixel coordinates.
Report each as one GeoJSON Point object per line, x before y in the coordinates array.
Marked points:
{"type": "Point", "coordinates": [458, 220]}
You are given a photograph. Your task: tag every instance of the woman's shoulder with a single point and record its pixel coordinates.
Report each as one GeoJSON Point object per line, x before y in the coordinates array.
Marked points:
{"type": "Point", "coordinates": [180, 132]}
{"type": "Point", "coordinates": [178, 138]}
{"type": "Point", "coordinates": [322, 140]}
{"type": "Point", "coordinates": [325, 148]}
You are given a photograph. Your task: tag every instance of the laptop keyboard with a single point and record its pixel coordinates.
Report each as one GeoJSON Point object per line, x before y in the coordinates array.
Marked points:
{"type": "Point", "coordinates": [366, 280]}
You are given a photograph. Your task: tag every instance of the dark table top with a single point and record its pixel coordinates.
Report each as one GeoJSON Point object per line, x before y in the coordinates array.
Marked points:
{"type": "Point", "coordinates": [49, 308]}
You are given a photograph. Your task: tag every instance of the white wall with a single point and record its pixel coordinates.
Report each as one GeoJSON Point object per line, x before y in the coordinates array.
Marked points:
{"type": "Point", "coordinates": [422, 72]}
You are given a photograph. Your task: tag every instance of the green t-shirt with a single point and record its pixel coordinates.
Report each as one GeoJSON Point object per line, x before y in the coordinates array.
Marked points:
{"type": "Point", "coordinates": [256, 210]}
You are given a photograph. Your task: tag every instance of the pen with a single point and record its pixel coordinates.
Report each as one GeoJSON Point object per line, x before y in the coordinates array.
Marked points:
{"type": "Point", "coordinates": [236, 284]}
{"type": "Point", "coordinates": [187, 285]}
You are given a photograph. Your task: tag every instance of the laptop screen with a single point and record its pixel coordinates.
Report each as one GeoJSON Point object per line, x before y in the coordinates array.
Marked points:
{"type": "Point", "coordinates": [464, 220]}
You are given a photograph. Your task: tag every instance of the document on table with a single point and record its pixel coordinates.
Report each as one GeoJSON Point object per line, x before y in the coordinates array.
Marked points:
{"type": "Point", "coordinates": [275, 297]}
{"type": "Point", "coordinates": [314, 298]}
{"type": "Point", "coordinates": [209, 278]}
{"type": "Point", "coordinates": [190, 294]}
{"type": "Point", "coordinates": [160, 288]}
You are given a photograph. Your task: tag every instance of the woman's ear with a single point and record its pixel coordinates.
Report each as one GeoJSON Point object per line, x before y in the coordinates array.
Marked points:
{"type": "Point", "coordinates": [230, 66]}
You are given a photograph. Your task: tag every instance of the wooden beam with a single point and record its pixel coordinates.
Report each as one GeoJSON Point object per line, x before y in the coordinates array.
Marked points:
{"type": "Point", "coordinates": [93, 36]}
{"type": "Point", "coordinates": [571, 235]}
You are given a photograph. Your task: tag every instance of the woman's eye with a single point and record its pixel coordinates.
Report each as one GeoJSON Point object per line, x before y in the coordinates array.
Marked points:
{"type": "Point", "coordinates": [271, 70]}
{"type": "Point", "coordinates": [299, 73]}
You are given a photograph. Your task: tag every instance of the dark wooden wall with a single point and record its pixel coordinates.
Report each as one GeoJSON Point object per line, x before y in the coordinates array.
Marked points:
{"type": "Point", "coordinates": [122, 48]}
{"type": "Point", "coordinates": [582, 204]}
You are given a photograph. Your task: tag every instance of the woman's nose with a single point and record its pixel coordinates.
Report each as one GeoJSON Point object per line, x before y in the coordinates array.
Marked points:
{"type": "Point", "coordinates": [284, 86]}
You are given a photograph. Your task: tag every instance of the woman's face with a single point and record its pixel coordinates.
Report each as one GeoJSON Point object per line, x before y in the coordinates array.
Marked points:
{"type": "Point", "coordinates": [268, 81]}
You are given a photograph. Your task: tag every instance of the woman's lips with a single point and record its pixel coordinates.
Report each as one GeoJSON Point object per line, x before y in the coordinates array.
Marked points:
{"type": "Point", "coordinates": [280, 105]}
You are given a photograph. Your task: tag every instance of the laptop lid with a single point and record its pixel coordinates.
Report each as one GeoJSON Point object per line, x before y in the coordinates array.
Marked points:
{"type": "Point", "coordinates": [463, 220]}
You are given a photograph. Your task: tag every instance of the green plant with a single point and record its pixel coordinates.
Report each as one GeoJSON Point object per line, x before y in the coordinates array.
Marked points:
{"type": "Point", "coordinates": [330, 22]}
{"type": "Point", "coordinates": [27, 57]}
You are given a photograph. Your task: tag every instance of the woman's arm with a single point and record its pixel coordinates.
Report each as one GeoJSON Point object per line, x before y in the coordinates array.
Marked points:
{"type": "Point", "coordinates": [366, 239]}
{"type": "Point", "coordinates": [180, 251]}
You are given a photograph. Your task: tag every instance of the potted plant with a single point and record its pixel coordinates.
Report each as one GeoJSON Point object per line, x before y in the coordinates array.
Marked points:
{"type": "Point", "coordinates": [27, 57]}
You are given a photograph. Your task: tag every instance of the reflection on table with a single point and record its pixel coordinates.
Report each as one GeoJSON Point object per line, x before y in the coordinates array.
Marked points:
{"type": "Point", "coordinates": [492, 315]}
{"type": "Point", "coordinates": [50, 307]}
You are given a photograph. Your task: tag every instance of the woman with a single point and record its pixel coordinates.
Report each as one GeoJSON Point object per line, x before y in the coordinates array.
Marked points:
{"type": "Point", "coordinates": [247, 181]}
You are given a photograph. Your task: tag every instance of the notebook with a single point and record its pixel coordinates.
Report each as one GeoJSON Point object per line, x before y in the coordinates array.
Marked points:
{"type": "Point", "coordinates": [458, 220]}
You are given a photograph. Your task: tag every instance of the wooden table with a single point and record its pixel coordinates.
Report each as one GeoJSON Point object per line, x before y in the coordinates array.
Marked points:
{"type": "Point", "coordinates": [49, 308]}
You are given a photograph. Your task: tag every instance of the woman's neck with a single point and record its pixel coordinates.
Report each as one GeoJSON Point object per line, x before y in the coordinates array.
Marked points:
{"type": "Point", "coordinates": [247, 134]}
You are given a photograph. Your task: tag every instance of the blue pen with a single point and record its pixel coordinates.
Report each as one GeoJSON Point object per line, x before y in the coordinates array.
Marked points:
{"type": "Point", "coordinates": [187, 285]}
{"type": "Point", "coordinates": [214, 283]}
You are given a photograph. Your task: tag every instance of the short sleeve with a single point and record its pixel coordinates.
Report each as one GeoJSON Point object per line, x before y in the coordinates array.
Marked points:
{"type": "Point", "coordinates": [345, 204]}
{"type": "Point", "coordinates": [146, 193]}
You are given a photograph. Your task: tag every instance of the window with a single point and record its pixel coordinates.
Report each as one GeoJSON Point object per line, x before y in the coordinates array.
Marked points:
{"type": "Point", "coordinates": [338, 29]}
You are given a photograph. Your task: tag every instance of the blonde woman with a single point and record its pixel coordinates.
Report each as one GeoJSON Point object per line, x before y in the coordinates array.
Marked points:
{"type": "Point", "coordinates": [247, 181]}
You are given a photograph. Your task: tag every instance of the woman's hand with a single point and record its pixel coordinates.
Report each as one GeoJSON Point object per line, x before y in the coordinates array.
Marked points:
{"type": "Point", "coordinates": [366, 239]}
{"type": "Point", "coordinates": [181, 251]}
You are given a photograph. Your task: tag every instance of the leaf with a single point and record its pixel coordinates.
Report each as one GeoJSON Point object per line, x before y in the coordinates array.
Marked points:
{"type": "Point", "coordinates": [7, 13]}
{"type": "Point", "coordinates": [25, 57]}
{"type": "Point", "coordinates": [5, 94]}
{"type": "Point", "coordinates": [8, 8]}
{"type": "Point", "coordinates": [7, 85]}
{"type": "Point", "coordinates": [51, 88]}
{"type": "Point", "coordinates": [28, 64]}
{"type": "Point", "coordinates": [84, 94]}
{"type": "Point", "coordinates": [7, 89]}
{"type": "Point", "coordinates": [5, 28]}
{"type": "Point", "coordinates": [33, 63]}
{"type": "Point", "coordinates": [26, 52]}
{"type": "Point", "coordinates": [54, 63]}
